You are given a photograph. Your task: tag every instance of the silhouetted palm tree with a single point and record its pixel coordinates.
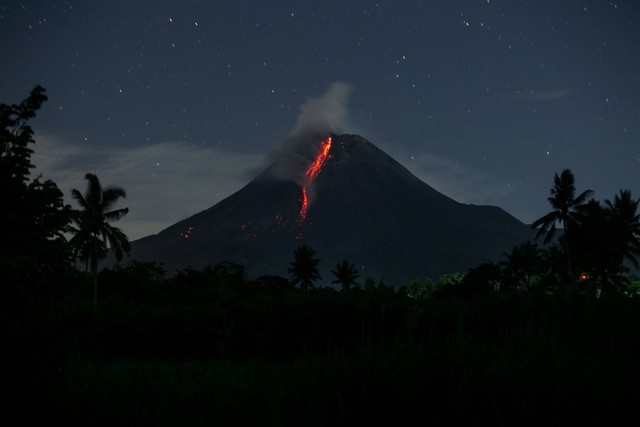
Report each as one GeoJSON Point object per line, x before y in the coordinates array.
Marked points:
{"type": "Point", "coordinates": [93, 236]}
{"type": "Point", "coordinates": [346, 274]}
{"type": "Point", "coordinates": [523, 264]}
{"type": "Point", "coordinates": [304, 269]}
{"type": "Point", "coordinates": [625, 226]}
{"type": "Point", "coordinates": [604, 237]}
{"type": "Point", "coordinates": [420, 289]}
{"type": "Point", "coordinates": [594, 251]}
{"type": "Point", "coordinates": [554, 269]}
{"type": "Point", "coordinates": [565, 204]}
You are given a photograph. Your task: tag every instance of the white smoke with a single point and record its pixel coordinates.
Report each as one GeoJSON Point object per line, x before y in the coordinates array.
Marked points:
{"type": "Point", "coordinates": [328, 113]}
{"type": "Point", "coordinates": [319, 117]}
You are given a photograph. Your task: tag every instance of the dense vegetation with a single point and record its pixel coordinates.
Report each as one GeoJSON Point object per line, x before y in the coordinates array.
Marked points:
{"type": "Point", "coordinates": [549, 334]}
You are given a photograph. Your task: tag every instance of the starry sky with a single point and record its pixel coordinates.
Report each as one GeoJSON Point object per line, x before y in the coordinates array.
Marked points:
{"type": "Point", "coordinates": [180, 102]}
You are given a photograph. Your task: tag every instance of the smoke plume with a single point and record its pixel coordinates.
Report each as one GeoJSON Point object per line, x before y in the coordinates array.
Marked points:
{"type": "Point", "coordinates": [325, 114]}
{"type": "Point", "coordinates": [319, 117]}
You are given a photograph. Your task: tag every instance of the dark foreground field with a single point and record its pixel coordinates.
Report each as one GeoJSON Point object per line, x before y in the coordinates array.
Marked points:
{"type": "Point", "coordinates": [207, 351]}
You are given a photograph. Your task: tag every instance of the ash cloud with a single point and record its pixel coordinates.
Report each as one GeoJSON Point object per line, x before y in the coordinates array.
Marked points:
{"type": "Point", "coordinates": [328, 113]}
{"type": "Point", "coordinates": [319, 117]}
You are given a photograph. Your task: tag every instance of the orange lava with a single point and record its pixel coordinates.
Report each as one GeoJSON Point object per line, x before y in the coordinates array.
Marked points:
{"type": "Point", "coordinates": [322, 158]}
{"type": "Point", "coordinates": [305, 204]}
{"type": "Point", "coordinates": [312, 172]}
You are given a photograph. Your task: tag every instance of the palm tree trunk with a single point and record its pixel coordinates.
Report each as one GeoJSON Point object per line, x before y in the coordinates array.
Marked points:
{"type": "Point", "coordinates": [94, 273]}
{"type": "Point", "coordinates": [572, 281]}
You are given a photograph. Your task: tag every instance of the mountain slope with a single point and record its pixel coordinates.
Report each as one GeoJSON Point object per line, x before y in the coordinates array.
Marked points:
{"type": "Point", "coordinates": [363, 206]}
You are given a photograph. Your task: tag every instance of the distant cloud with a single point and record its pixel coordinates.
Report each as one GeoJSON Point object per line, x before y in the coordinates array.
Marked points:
{"type": "Point", "coordinates": [165, 182]}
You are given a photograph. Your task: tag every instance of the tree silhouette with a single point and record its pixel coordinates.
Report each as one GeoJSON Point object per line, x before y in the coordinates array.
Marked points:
{"type": "Point", "coordinates": [603, 237]}
{"type": "Point", "coordinates": [564, 204]}
{"type": "Point", "coordinates": [625, 227]}
{"type": "Point", "coordinates": [522, 265]}
{"type": "Point", "coordinates": [33, 215]}
{"type": "Point", "coordinates": [93, 236]}
{"type": "Point", "coordinates": [346, 274]}
{"type": "Point", "coordinates": [304, 268]}
{"type": "Point", "coordinates": [484, 279]}
{"type": "Point", "coordinates": [420, 289]}
{"type": "Point", "coordinates": [595, 251]}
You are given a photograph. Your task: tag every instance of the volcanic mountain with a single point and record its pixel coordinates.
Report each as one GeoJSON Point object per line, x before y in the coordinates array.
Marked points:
{"type": "Point", "coordinates": [347, 200]}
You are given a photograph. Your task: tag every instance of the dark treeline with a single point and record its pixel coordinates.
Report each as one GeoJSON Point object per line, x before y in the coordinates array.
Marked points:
{"type": "Point", "coordinates": [211, 345]}
{"type": "Point", "coordinates": [549, 334]}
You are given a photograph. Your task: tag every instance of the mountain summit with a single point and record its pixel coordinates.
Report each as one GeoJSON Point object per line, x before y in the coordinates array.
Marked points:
{"type": "Point", "coordinates": [347, 200]}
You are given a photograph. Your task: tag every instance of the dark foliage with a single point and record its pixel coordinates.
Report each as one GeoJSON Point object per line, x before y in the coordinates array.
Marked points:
{"type": "Point", "coordinates": [33, 214]}
{"type": "Point", "coordinates": [35, 267]}
{"type": "Point", "coordinates": [304, 268]}
{"type": "Point", "coordinates": [346, 274]}
{"type": "Point", "coordinates": [209, 346]}
{"type": "Point", "coordinates": [565, 206]}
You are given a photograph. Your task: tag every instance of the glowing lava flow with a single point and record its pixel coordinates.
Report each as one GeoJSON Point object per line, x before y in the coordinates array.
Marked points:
{"type": "Point", "coordinates": [312, 172]}
{"type": "Point", "coordinates": [305, 204]}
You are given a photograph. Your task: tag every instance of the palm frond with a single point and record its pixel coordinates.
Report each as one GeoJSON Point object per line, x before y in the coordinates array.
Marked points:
{"type": "Point", "coordinates": [93, 195]}
{"type": "Point", "coordinates": [115, 215]}
{"type": "Point", "coordinates": [110, 196]}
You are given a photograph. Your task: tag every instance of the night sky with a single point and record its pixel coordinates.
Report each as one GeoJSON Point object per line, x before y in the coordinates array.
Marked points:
{"type": "Point", "coordinates": [179, 102]}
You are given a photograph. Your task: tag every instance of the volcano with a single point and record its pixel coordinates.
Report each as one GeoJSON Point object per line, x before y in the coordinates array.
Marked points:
{"type": "Point", "coordinates": [348, 200]}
